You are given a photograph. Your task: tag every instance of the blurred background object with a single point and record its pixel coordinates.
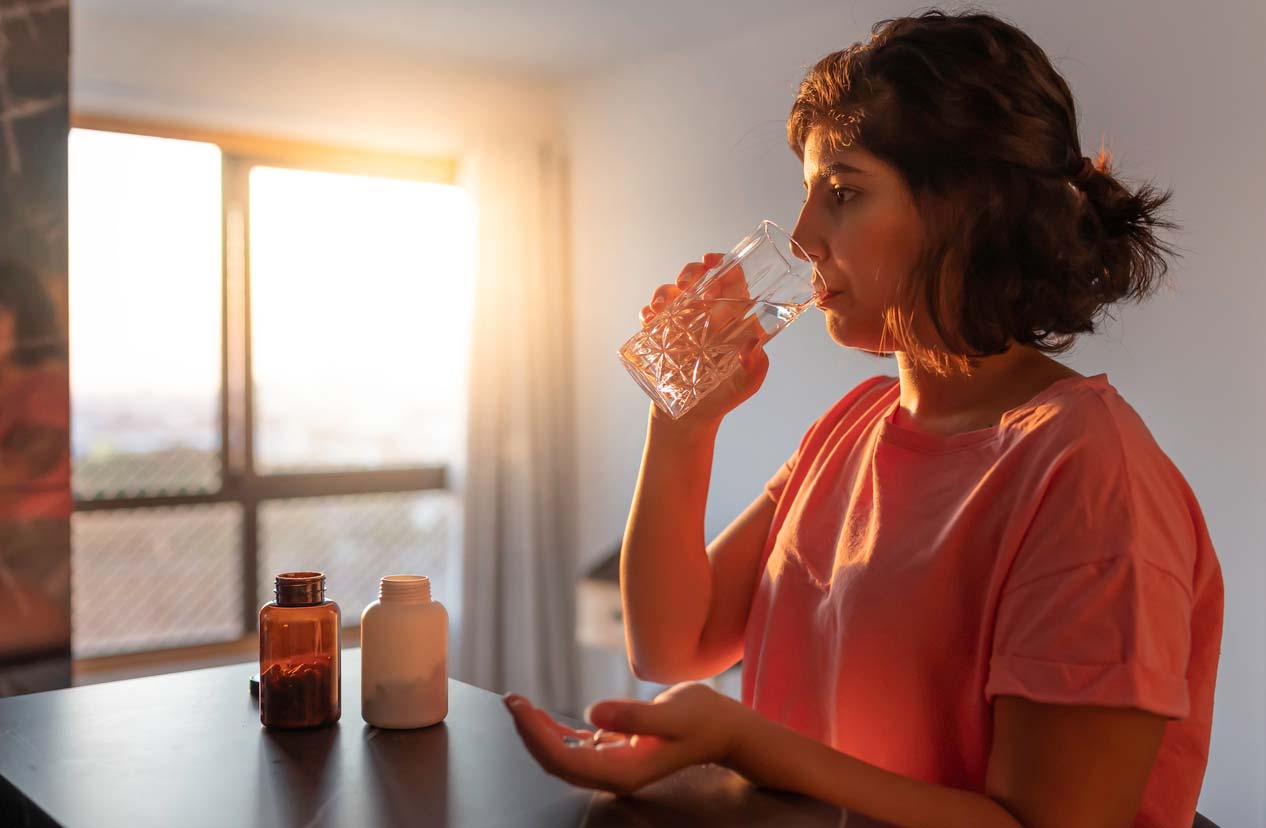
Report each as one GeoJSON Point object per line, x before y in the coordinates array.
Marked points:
{"type": "Point", "coordinates": [35, 501]}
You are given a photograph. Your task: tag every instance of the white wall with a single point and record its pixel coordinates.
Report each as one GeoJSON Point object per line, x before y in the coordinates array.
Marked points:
{"type": "Point", "coordinates": [681, 154]}
{"type": "Point", "coordinates": [258, 78]}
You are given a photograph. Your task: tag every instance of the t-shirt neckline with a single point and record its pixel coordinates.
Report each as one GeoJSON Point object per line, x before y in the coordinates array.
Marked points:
{"type": "Point", "coordinates": [934, 443]}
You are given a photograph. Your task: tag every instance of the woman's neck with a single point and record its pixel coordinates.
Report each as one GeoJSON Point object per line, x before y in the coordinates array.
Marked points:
{"type": "Point", "coordinates": [943, 405]}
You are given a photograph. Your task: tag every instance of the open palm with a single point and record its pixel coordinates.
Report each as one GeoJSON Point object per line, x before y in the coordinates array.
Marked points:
{"type": "Point", "coordinates": [635, 743]}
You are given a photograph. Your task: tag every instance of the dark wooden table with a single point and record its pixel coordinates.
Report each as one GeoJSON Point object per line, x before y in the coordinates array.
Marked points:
{"type": "Point", "coordinates": [187, 749]}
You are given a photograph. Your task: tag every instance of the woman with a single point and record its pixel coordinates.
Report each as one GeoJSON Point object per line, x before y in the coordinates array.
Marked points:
{"type": "Point", "coordinates": [978, 594]}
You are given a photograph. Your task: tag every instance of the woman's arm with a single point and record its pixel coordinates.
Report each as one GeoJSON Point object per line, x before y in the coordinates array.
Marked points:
{"type": "Point", "coordinates": [670, 582]}
{"type": "Point", "coordinates": [1050, 766]}
{"type": "Point", "coordinates": [686, 606]}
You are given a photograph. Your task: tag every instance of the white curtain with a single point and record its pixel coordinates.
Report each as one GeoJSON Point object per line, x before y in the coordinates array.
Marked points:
{"type": "Point", "coordinates": [516, 628]}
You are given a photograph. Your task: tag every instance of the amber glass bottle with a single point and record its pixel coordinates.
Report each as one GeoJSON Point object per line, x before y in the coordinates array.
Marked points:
{"type": "Point", "coordinates": [299, 677]}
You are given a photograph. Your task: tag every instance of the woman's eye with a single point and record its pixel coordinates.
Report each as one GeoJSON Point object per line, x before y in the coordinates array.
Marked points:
{"type": "Point", "coordinates": [843, 195]}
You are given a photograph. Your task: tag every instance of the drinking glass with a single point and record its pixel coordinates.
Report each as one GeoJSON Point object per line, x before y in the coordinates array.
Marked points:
{"type": "Point", "coordinates": [692, 345]}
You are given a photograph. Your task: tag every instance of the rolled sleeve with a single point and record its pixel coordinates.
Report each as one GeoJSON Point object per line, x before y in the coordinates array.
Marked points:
{"type": "Point", "coordinates": [1113, 633]}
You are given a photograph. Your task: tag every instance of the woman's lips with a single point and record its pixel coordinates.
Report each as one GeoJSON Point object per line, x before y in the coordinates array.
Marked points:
{"type": "Point", "coordinates": [821, 293]}
{"type": "Point", "coordinates": [823, 296]}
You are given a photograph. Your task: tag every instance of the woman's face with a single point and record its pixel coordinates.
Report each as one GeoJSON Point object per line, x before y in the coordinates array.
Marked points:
{"type": "Point", "coordinates": [860, 227]}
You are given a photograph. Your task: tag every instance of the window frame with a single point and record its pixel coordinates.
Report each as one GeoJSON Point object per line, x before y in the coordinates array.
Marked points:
{"type": "Point", "coordinates": [239, 482]}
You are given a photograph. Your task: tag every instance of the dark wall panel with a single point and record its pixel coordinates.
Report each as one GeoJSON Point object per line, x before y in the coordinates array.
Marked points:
{"type": "Point", "coordinates": [35, 500]}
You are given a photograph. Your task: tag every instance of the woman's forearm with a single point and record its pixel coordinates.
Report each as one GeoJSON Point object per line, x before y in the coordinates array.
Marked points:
{"type": "Point", "coordinates": [665, 576]}
{"type": "Point", "coordinates": [774, 756]}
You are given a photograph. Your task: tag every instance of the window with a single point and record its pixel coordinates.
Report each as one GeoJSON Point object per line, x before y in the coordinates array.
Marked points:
{"type": "Point", "coordinates": [268, 373]}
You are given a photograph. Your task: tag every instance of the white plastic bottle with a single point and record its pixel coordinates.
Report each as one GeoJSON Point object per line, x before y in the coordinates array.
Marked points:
{"type": "Point", "coordinates": [404, 655]}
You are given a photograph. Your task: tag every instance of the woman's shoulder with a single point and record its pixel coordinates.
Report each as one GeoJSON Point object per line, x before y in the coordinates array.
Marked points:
{"type": "Point", "coordinates": [1085, 428]}
{"type": "Point", "coordinates": [1096, 463]}
{"type": "Point", "coordinates": [1083, 412]}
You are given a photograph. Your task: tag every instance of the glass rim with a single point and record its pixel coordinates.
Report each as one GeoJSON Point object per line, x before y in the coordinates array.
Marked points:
{"type": "Point", "coordinates": [804, 269]}
{"type": "Point", "coordinates": [766, 224]}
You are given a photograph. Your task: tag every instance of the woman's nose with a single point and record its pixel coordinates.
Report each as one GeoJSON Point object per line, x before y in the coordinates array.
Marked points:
{"type": "Point", "coordinates": [808, 246]}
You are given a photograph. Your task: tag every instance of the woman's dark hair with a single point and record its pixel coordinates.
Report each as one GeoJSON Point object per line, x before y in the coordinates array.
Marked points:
{"type": "Point", "coordinates": [1027, 240]}
{"type": "Point", "coordinates": [38, 335]}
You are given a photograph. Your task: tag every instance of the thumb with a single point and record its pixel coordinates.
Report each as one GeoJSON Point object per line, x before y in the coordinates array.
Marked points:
{"type": "Point", "coordinates": [624, 716]}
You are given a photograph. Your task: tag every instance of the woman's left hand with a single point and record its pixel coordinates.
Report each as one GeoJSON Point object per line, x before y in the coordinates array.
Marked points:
{"type": "Point", "coordinates": [636, 743]}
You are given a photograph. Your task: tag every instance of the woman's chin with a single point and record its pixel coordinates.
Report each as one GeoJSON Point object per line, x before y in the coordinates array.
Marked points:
{"type": "Point", "coordinates": [844, 335]}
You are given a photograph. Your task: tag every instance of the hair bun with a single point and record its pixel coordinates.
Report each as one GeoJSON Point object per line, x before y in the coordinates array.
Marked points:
{"type": "Point", "coordinates": [1082, 171]}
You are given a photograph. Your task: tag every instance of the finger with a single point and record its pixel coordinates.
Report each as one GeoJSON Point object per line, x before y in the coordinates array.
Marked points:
{"type": "Point", "coordinates": [560, 729]}
{"type": "Point", "coordinates": [690, 274]}
{"type": "Point", "coordinates": [646, 314]}
{"type": "Point", "coordinates": [620, 763]}
{"type": "Point", "coordinates": [663, 295]}
{"type": "Point", "coordinates": [733, 282]}
{"type": "Point", "coordinates": [626, 746]}
{"type": "Point", "coordinates": [528, 735]}
{"type": "Point", "coordinates": [604, 737]}
{"type": "Point", "coordinates": [694, 271]}
{"type": "Point", "coordinates": [540, 740]}
{"type": "Point", "coordinates": [582, 766]}
{"type": "Point", "coordinates": [632, 717]}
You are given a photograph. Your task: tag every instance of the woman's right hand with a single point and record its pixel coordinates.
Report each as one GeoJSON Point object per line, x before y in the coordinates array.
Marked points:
{"type": "Point", "coordinates": [753, 363]}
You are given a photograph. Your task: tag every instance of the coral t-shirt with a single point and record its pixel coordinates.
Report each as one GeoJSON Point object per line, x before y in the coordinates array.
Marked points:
{"type": "Point", "coordinates": [909, 579]}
